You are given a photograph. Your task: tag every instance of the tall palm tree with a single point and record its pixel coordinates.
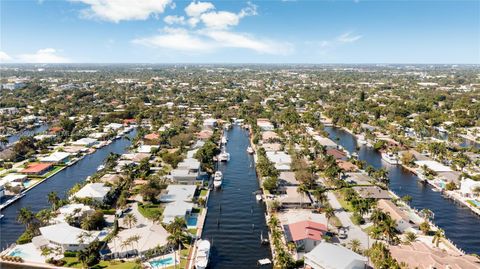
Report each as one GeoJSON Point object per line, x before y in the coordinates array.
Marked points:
{"type": "Point", "coordinates": [130, 220]}
{"type": "Point", "coordinates": [320, 195]}
{"type": "Point", "coordinates": [355, 245]}
{"type": "Point", "coordinates": [377, 216]}
{"type": "Point", "coordinates": [82, 257]}
{"type": "Point", "coordinates": [302, 189]}
{"type": "Point", "coordinates": [410, 237]}
{"type": "Point", "coordinates": [329, 213]}
{"type": "Point", "coordinates": [437, 237]}
{"type": "Point", "coordinates": [53, 199]}
{"type": "Point", "coordinates": [25, 217]}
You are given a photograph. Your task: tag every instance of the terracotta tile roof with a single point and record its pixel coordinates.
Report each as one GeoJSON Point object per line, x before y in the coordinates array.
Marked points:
{"type": "Point", "coordinates": [36, 168]}
{"type": "Point", "coordinates": [306, 230]}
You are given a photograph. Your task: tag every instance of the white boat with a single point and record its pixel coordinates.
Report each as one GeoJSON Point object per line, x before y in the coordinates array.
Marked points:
{"type": "Point", "coordinates": [390, 157]}
{"type": "Point", "coordinates": [203, 254]}
{"type": "Point", "coordinates": [258, 197]}
{"type": "Point", "coordinates": [100, 167]}
{"type": "Point", "coordinates": [224, 157]}
{"type": "Point", "coordinates": [250, 150]}
{"type": "Point", "coordinates": [217, 179]}
{"type": "Point", "coordinates": [1, 216]}
{"type": "Point", "coordinates": [362, 141]}
{"type": "Point", "coordinates": [224, 140]}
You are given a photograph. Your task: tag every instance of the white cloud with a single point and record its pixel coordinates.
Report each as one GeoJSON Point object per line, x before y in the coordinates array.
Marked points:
{"type": "Point", "coordinates": [348, 38]}
{"type": "Point", "coordinates": [225, 19]}
{"type": "Point", "coordinates": [47, 55]}
{"type": "Point", "coordinates": [174, 19]}
{"type": "Point", "coordinates": [176, 39]}
{"type": "Point", "coordinates": [207, 40]}
{"type": "Point", "coordinates": [195, 9]}
{"type": "Point", "coordinates": [118, 10]}
{"type": "Point", "coordinates": [4, 57]}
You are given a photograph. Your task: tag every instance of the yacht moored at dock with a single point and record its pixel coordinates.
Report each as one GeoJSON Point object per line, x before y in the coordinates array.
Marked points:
{"type": "Point", "coordinates": [390, 158]}
{"type": "Point", "coordinates": [203, 254]}
{"type": "Point", "coordinates": [224, 156]}
{"type": "Point", "coordinates": [250, 150]}
{"type": "Point", "coordinates": [217, 179]}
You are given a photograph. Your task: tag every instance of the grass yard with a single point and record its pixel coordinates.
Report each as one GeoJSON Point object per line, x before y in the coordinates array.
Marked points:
{"type": "Point", "coordinates": [203, 193]}
{"type": "Point", "coordinates": [150, 211]}
{"type": "Point", "coordinates": [53, 171]}
{"type": "Point", "coordinates": [346, 205]}
{"type": "Point", "coordinates": [183, 259]}
{"type": "Point", "coordinates": [74, 263]}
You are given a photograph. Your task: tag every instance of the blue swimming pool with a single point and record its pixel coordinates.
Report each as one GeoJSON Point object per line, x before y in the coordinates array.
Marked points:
{"type": "Point", "coordinates": [192, 221]}
{"type": "Point", "coordinates": [162, 262]}
{"type": "Point", "coordinates": [477, 203]}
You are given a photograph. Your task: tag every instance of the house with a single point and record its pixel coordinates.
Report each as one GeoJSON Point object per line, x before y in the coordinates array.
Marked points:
{"type": "Point", "coordinates": [337, 154]}
{"type": "Point", "coordinates": [75, 210]}
{"type": "Point", "coordinates": [305, 234]}
{"type": "Point", "coordinates": [86, 142]}
{"type": "Point", "coordinates": [151, 139]}
{"type": "Point", "coordinates": [112, 127]}
{"type": "Point", "coordinates": [12, 180]}
{"type": "Point", "coordinates": [269, 135]}
{"type": "Point", "coordinates": [470, 188]}
{"type": "Point", "coordinates": [420, 255]}
{"type": "Point", "coordinates": [272, 146]}
{"type": "Point", "coordinates": [57, 157]}
{"type": "Point", "coordinates": [179, 199]}
{"type": "Point", "coordinates": [402, 220]}
{"type": "Point", "coordinates": [37, 168]}
{"type": "Point", "coordinates": [67, 237]}
{"type": "Point", "coordinates": [371, 192]}
{"type": "Point", "coordinates": [205, 134]}
{"type": "Point", "coordinates": [287, 178]}
{"type": "Point", "coordinates": [96, 191]}
{"type": "Point", "coordinates": [184, 176]}
{"type": "Point", "coordinates": [326, 142]}
{"type": "Point", "coordinates": [146, 148]}
{"type": "Point", "coordinates": [280, 159]}
{"type": "Point", "coordinates": [209, 123]}
{"type": "Point", "coordinates": [291, 198]}
{"type": "Point", "coordinates": [333, 256]}
{"type": "Point", "coordinates": [265, 124]}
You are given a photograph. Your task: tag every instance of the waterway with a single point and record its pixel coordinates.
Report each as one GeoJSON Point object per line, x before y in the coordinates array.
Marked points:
{"type": "Point", "coordinates": [28, 132]}
{"type": "Point", "coordinates": [235, 220]}
{"type": "Point", "coordinates": [36, 199]}
{"type": "Point", "coordinates": [461, 225]}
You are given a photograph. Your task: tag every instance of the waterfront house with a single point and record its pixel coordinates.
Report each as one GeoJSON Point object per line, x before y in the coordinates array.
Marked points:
{"type": "Point", "coordinates": [151, 139]}
{"type": "Point", "coordinates": [291, 198]}
{"type": "Point", "coordinates": [305, 234]}
{"type": "Point", "coordinates": [287, 178]}
{"type": "Point", "coordinates": [72, 210]}
{"type": "Point", "coordinates": [280, 159]}
{"type": "Point", "coordinates": [37, 168]}
{"type": "Point", "coordinates": [146, 148]}
{"type": "Point", "coordinates": [209, 123]}
{"type": "Point", "coordinates": [183, 176]}
{"type": "Point", "coordinates": [85, 142]}
{"type": "Point", "coordinates": [67, 237]}
{"type": "Point", "coordinates": [269, 136]}
{"type": "Point", "coordinates": [57, 157]}
{"type": "Point", "coordinates": [205, 134]}
{"type": "Point", "coordinates": [470, 188]}
{"type": "Point", "coordinates": [12, 180]}
{"type": "Point", "coordinates": [112, 127]}
{"type": "Point", "coordinates": [337, 154]}
{"type": "Point", "coordinates": [95, 191]}
{"type": "Point", "coordinates": [420, 255]}
{"type": "Point", "coordinates": [272, 146]}
{"type": "Point", "coordinates": [371, 192]}
{"type": "Point", "coordinates": [180, 201]}
{"type": "Point", "coordinates": [333, 256]}
{"type": "Point", "coordinates": [325, 142]}
{"type": "Point", "coordinates": [265, 124]}
{"type": "Point", "coordinates": [404, 224]}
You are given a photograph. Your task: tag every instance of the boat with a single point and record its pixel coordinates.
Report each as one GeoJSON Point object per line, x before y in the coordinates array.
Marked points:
{"type": "Point", "coordinates": [217, 179]}
{"type": "Point", "coordinates": [258, 197]}
{"type": "Point", "coordinates": [202, 255]}
{"type": "Point", "coordinates": [355, 154]}
{"type": "Point", "coordinates": [250, 150]}
{"type": "Point", "coordinates": [362, 141]}
{"type": "Point", "coordinates": [263, 241]}
{"type": "Point", "coordinates": [100, 167]}
{"type": "Point", "coordinates": [224, 140]}
{"type": "Point", "coordinates": [1, 216]}
{"type": "Point", "coordinates": [390, 157]}
{"type": "Point", "coordinates": [224, 157]}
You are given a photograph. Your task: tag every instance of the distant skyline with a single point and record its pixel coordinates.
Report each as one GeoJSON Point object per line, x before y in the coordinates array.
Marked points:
{"type": "Point", "coordinates": [283, 31]}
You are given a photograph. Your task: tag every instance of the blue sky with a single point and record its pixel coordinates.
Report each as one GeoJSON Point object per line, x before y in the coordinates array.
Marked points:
{"type": "Point", "coordinates": [170, 31]}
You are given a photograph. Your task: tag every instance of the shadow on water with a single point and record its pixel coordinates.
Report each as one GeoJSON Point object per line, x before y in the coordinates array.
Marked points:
{"type": "Point", "coordinates": [235, 221]}
{"type": "Point", "coordinates": [461, 225]}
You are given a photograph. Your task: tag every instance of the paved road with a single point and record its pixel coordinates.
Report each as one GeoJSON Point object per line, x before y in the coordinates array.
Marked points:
{"type": "Point", "coordinates": [354, 231]}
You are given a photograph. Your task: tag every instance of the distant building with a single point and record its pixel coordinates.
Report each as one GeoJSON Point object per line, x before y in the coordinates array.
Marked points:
{"type": "Point", "coordinates": [13, 86]}
{"type": "Point", "coordinates": [265, 125]}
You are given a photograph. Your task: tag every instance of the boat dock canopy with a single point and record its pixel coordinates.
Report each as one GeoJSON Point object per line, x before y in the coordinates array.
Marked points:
{"type": "Point", "coordinates": [264, 261]}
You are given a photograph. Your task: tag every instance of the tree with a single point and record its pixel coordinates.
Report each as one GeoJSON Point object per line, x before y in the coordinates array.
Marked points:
{"type": "Point", "coordinates": [438, 236]}
{"type": "Point", "coordinates": [302, 189]}
{"type": "Point", "coordinates": [380, 256]}
{"type": "Point", "coordinates": [410, 237]}
{"type": "Point", "coordinates": [26, 217]}
{"type": "Point", "coordinates": [53, 199]}
{"type": "Point", "coordinates": [94, 221]}
{"type": "Point", "coordinates": [329, 213]}
{"type": "Point", "coordinates": [355, 246]}
{"type": "Point", "coordinates": [320, 195]}
{"type": "Point", "coordinates": [82, 256]}
{"type": "Point", "coordinates": [130, 220]}
{"type": "Point", "coordinates": [425, 227]}
{"type": "Point", "coordinates": [407, 199]}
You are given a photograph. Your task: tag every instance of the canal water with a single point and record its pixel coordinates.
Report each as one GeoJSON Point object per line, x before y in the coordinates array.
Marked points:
{"type": "Point", "coordinates": [36, 199]}
{"type": "Point", "coordinates": [461, 225]}
{"type": "Point", "coordinates": [235, 220]}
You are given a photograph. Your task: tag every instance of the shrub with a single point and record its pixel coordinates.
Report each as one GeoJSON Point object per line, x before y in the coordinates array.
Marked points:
{"type": "Point", "coordinates": [357, 219]}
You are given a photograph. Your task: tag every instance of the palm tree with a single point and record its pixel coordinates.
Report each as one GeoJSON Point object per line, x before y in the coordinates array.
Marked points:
{"type": "Point", "coordinates": [302, 189]}
{"type": "Point", "coordinates": [389, 229]}
{"type": "Point", "coordinates": [427, 214]}
{"type": "Point", "coordinates": [273, 222]}
{"type": "Point", "coordinates": [25, 217]}
{"type": "Point", "coordinates": [329, 213]}
{"type": "Point", "coordinates": [377, 216]}
{"type": "Point", "coordinates": [410, 237]}
{"type": "Point", "coordinates": [437, 237]}
{"type": "Point", "coordinates": [130, 220]}
{"type": "Point", "coordinates": [355, 245]}
{"type": "Point", "coordinates": [82, 257]}
{"type": "Point", "coordinates": [319, 194]}
{"type": "Point", "coordinates": [53, 199]}
{"type": "Point", "coordinates": [178, 224]}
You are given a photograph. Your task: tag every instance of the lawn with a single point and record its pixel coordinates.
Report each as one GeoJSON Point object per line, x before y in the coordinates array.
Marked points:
{"type": "Point", "coordinates": [74, 263]}
{"type": "Point", "coordinates": [183, 259]}
{"type": "Point", "coordinates": [203, 193]}
{"type": "Point", "coordinates": [53, 171]}
{"type": "Point", "coordinates": [346, 205]}
{"type": "Point", "coordinates": [150, 211]}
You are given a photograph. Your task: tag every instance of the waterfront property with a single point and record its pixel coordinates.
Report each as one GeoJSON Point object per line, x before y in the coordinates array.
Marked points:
{"type": "Point", "coordinates": [327, 255]}
{"type": "Point", "coordinates": [96, 191]}
{"type": "Point", "coordinates": [64, 236]}
{"type": "Point", "coordinates": [37, 168]}
{"type": "Point", "coordinates": [305, 234]}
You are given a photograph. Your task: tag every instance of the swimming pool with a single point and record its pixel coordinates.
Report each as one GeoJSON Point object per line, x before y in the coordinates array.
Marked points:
{"type": "Point", "coordinates": [162, 262]}
{"type": "Point", "coordinates": [475, 202]}
{"type": "Point", "coordinates": [192, 221]}
{"type": "Point", "coordinates": [28, 252]}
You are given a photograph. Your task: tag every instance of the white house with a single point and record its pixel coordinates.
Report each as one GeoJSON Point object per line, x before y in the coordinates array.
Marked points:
{"type": "Point", "coordinates": [96, 191]}
{"type": "Point", "coordinates": [179, 199]}
{"type": "Point", "coordinates": [112, 126]}
{"type": "Point", "coordinates": [65, 236]}
{"type": "Point", "coordinates": [468, 187]}
{"type": "Point", "coordinates": [86, 142]}
{"type": "Point", "coordinates": [332, 256]}
{"type": "Point", "coordinates": [280, 159]}
{"type": "Point", "coordinates": [209, 123]}
{"type": "Point", "coordinates": [265, 125]}
{"type": "Point", "coordinates": [56, 157]}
